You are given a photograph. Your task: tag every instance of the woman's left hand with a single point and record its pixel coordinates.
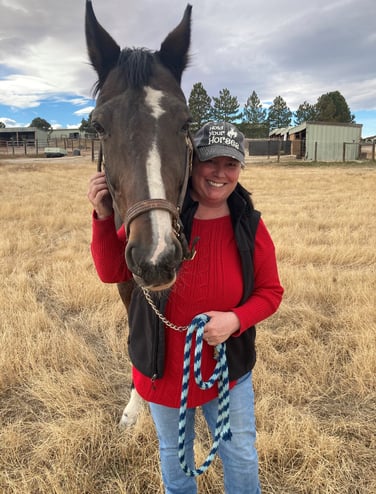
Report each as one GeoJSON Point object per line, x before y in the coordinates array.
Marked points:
{"type": "Point", "coordinates": [220, 327]}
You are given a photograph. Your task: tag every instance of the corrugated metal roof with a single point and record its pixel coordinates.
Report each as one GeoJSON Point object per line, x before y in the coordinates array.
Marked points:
{"type": "Point", "coordinates": [298, 128]}
{"type": "Point", "coordinates": [280, 132]}
{"type": "Point", "coordinates": [305, 125]}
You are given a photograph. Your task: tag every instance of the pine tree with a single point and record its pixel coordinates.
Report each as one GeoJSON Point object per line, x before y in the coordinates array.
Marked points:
{"type": "Point", "coordinates": [254, 118]}
{"type": "Point", "coordinates": [332, 107]}
{"type": "Point", "coordinates": [199, 104]}
{"type": "Point", "coordinates": [226, 107]}
{"type": "Point", "coordinates": [279, 114]}
{"type": "Point", "coordinates": [305, 113]}
{"type": "Point", "coordinates": [41, 123]}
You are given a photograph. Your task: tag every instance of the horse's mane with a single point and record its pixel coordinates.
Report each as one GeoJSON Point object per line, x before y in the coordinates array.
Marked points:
{"type": "Point", "coordinates": [135, 67]}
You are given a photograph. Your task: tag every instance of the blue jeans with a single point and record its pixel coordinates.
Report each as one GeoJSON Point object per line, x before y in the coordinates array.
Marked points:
{"type": "Point", "coordinates": [239, 456]}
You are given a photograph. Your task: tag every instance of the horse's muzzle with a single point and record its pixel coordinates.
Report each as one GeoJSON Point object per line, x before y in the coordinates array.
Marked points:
{"type": "Point", "coordinates": [151, 272]}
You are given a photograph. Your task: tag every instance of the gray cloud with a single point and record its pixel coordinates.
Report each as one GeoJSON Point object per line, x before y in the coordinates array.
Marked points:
{"type": "Point", "coordinates": [298, 51]}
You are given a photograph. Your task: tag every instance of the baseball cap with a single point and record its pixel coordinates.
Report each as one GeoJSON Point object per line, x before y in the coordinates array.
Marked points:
{"type": "Point", "coordinates": [219, 139]}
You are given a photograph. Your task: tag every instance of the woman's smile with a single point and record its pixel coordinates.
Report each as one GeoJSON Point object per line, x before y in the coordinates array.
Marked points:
{"type": "Point", "coordinates": [215, 184]}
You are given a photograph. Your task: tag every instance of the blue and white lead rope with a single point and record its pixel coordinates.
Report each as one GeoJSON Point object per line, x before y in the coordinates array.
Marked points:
{"type": "Point", "coordinates": [220, 374]}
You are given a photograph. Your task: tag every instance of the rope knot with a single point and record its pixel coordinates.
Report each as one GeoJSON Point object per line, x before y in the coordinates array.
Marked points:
{"type": "Point", "coordinates": [220, 374]}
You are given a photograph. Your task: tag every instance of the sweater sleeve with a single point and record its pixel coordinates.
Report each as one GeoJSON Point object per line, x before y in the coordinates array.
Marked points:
{"type": "Point", "coordinates": [267, 293]}
{"type": "Point", "coordinates": [107, 250]}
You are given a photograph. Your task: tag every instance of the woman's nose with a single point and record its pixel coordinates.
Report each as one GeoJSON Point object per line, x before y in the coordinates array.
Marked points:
{"type": "Point", "coordinates": [219, 170]}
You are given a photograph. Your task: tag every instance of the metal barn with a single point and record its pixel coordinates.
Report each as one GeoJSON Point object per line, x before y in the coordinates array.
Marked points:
{"type": "Point", "coordinates": [324, 141]}
{"type": "Point", "coordinates": [66, 134]}
{"type": "Point", "coordinates": [19, 135]}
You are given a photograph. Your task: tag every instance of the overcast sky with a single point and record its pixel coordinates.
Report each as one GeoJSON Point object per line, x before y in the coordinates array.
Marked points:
{"type": "Point", "coordinates": [295, 50]}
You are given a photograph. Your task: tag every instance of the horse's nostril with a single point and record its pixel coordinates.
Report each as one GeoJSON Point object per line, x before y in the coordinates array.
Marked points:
{"type": "Point", "coordinates": [130, 258]}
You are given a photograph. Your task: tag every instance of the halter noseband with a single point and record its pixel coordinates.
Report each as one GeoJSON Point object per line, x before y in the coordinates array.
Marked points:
{"type": "Point", "coordinates": [147, 205]}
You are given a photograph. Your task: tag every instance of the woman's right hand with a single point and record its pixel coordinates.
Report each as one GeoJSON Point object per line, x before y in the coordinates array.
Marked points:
{"type": "Point", "coordinates": [99, 196]}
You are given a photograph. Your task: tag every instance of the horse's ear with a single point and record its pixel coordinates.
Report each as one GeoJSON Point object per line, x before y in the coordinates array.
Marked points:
{"type": "Point", "coordinates": [102, 49]}
{"type": "Point", "coordinates": [174, 49]}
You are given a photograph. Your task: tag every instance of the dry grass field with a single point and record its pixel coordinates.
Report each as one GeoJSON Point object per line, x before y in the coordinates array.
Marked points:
{"type": "Point", "coordinates": [64, 370]}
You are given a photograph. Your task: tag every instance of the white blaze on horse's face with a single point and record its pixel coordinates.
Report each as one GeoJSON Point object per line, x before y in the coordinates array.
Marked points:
{"type": "Point", "coordinates": [153, 101]}
{"type": "Point", "coordinates": [160, 220]}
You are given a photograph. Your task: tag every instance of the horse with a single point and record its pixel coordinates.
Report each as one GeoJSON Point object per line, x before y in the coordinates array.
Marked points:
{"type": "Point", "coordinates": [142, 119]}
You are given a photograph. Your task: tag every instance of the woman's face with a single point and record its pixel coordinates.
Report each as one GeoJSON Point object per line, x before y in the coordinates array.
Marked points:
{"type": "Point", "coordinates": [214, 180]}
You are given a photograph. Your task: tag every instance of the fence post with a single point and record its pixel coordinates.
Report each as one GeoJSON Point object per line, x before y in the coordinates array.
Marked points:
{"type": "Point", "coordinates": [373, 150]}
{"type": "Point", "coordinates": [315, 156]}
{"type": "Point", "coordinates": [279, 150]}
{"type": "Point", "coordinates": [92, 150]}
{"type": "Point", "coordinates": [344, 152]}
{"type": "Point", "coordinates": [36, 147]}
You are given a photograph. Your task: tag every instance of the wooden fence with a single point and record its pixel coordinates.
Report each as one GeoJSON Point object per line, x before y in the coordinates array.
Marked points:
{"type": "Point", "coordinates": [312, 151]}
{"type": "Point", "coordinates": [36, 147]}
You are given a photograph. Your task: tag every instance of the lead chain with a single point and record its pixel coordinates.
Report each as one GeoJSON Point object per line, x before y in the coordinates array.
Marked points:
{"type": "Point", "coordinates": [160, 315]}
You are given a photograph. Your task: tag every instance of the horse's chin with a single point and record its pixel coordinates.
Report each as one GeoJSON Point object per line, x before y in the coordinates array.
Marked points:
{"type": "Point", "coordinates": [154, 287]}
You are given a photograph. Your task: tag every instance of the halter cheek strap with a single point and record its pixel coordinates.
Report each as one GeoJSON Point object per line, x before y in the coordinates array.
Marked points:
{"type": "Point", "coordinates": [188, 169]}
{"type": "Point", "coordinates": [100, 157]}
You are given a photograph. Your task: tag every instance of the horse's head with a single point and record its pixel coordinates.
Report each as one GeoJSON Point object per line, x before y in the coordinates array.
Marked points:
{"type": "Point", "coordinates": [142, 118]}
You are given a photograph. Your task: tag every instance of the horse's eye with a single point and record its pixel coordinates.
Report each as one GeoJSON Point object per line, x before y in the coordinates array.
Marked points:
{"type": "Point", "coordinates": [185, 127]}
{"type": "Point", "coordinates": [98, 127]}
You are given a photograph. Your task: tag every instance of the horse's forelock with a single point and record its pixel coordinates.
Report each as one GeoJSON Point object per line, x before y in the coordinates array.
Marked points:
{"type": "Point", "coordinates": [135, 66]}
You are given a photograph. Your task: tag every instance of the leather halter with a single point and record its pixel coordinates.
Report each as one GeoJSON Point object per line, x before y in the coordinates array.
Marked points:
{"type": "Point", "coordinates": [147, 205]}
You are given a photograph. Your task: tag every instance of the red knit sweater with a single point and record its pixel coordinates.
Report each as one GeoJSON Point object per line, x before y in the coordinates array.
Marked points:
{"type": "Point", "coordinates": [211, 281]}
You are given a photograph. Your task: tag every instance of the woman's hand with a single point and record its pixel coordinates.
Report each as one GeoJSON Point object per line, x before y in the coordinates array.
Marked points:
{"type": "Point", "coordinates": [220, 327]}
{"type": "Point", "coordinates": [99, 196]}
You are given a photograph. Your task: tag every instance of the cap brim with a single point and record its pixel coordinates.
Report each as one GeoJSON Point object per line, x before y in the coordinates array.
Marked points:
{"type": "Point", "coordinates": [206, 153]}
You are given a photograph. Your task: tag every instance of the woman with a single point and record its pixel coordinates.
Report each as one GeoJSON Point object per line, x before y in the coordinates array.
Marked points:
{"type": "Point", "coordinates": [233, 279]}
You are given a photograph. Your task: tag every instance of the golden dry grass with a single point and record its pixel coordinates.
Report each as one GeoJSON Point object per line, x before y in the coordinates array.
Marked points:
{"type": "Point", "coordinates": [64, 371]}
